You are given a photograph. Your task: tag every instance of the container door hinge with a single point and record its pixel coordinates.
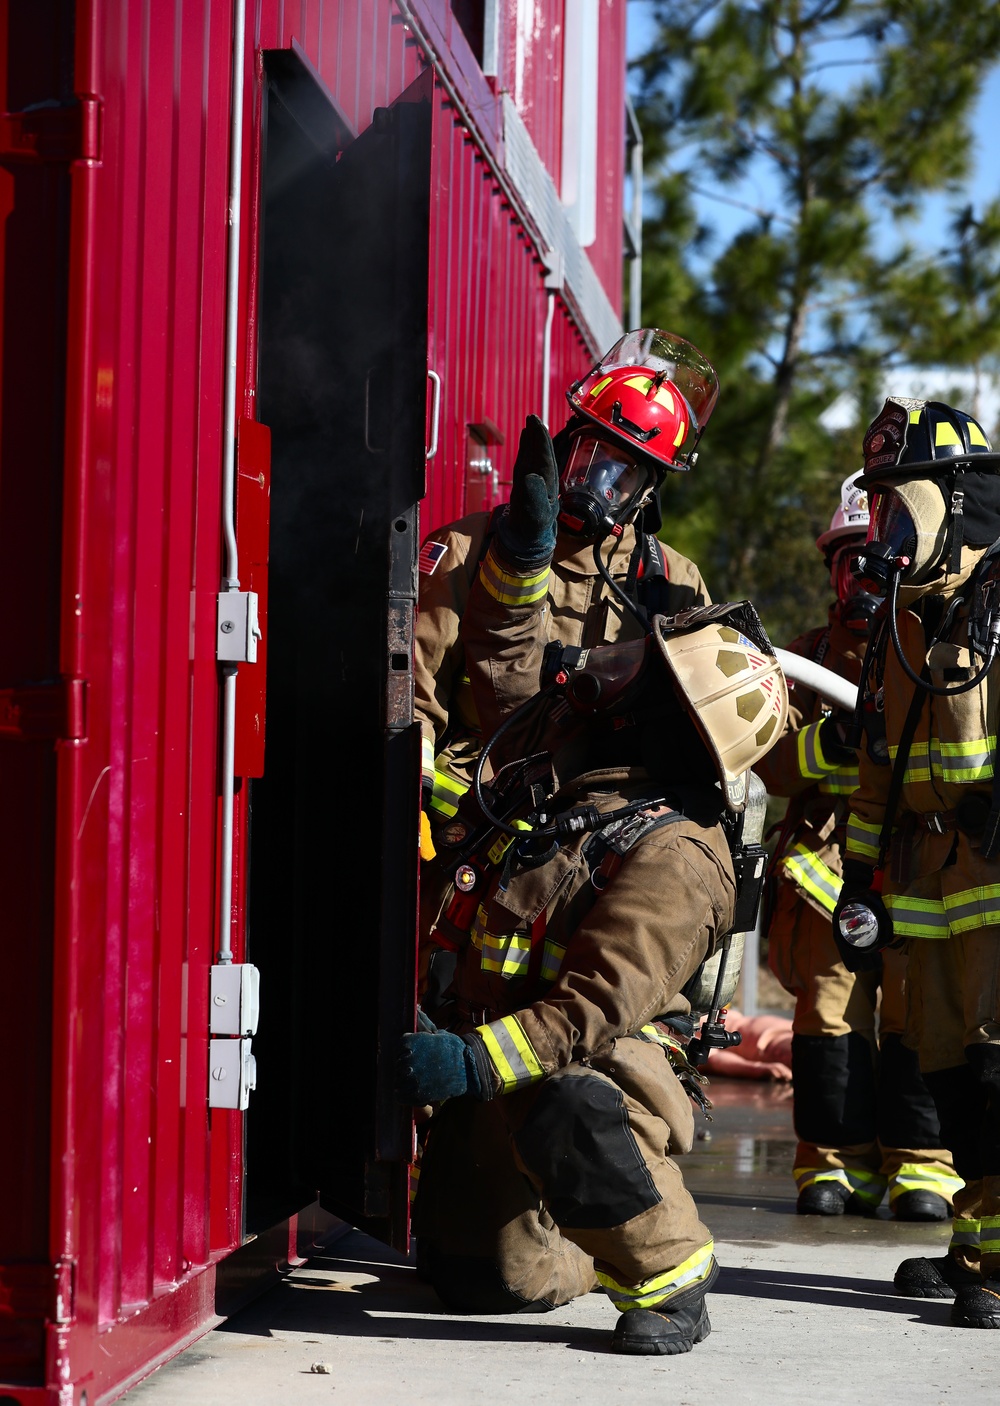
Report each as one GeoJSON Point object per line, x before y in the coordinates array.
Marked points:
{"type": "Point", "coordinates": [55, 710]}
{"type": "Point", "coordinates": [52, 132]}
{"type": "Point", "coordinates": [238, 629]}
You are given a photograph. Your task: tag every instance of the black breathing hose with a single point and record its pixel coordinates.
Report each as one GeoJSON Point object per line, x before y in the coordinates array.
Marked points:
{"type": "Point", "coordinates": [614, 587]}
{"type": "Point", "coordinates": [477, 775]}
{"type": "Point", "coordinates": [940, 690]}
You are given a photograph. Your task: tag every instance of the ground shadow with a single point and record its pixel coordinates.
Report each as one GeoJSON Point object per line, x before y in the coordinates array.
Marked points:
{"type": "Point", "coordinates": [830, 1291]}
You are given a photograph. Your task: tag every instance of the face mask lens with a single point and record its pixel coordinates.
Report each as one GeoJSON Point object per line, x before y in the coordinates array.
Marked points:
{"type": "Point", "coordinates": [892, 525]}
{"type": "Point", "coordinates": [602, 469]}
{"type": "Point", "coordinates": [842, 576]}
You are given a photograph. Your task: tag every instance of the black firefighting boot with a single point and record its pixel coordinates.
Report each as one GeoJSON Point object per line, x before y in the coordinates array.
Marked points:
{"type": "Point", "coordinates": [822, 1198]}
{"type": "Point", "coordinates": [978, 1306]}
{"type": "Point", "coordinates": [938, 1278]}
{"type": "Point", "coordinates": [920, 1206]}
{"type": "Point", "coordinates": [673, 1327]}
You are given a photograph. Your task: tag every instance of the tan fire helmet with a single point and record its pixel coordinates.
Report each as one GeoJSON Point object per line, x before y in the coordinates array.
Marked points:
{"type": "Point", "coordinates": [726, 672]}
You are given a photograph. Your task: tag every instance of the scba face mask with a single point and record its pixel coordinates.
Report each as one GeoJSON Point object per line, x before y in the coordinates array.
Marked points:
{"type": "Point", "coordinates": [602, 487]}
{"type": "Point", "coordinates": [908, 533]}
{"type": "Point", "coordinates": [857, 605]}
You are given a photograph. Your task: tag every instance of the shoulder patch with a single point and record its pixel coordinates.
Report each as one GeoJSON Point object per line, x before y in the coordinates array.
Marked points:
{"type": "Point", "coordinates": [430, 554]}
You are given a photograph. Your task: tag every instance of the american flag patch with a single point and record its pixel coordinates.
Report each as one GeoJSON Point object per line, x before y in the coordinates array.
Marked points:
{"type": "Point", "coordinates": [430, 554]}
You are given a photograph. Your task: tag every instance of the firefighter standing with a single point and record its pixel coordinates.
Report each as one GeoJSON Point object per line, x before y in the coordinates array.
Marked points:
{"type": "Point", "coordinates": [864, 1120]}
{"type": "Point", "coordinates": [924, 827]}
{"type": "Point", "coordinates": [560, 1164]}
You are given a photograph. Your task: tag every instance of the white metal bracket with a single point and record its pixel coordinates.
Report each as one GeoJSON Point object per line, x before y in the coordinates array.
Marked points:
{"type": "Point", "coordinates": [238, 630]}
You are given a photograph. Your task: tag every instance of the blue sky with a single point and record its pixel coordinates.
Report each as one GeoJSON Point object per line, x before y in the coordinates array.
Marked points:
{"type": "Point", "coordinates": [930, 231]}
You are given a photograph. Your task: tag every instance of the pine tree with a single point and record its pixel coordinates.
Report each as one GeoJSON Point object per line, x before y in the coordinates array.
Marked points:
{"type": "Point", "coordinates": [849, 113]}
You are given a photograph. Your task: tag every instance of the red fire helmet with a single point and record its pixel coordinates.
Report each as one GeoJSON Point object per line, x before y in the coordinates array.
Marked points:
{"type": "Point", "coordinates": [654, 393]}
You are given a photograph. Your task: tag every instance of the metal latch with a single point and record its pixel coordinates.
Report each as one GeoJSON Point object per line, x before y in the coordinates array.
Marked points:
{"type": "Point", "coordinates": [232, 1073]}
{"type": "Point", "coordinates": [238, 630]}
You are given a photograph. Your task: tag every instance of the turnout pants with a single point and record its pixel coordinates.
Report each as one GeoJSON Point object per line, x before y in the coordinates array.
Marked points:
{"type": "Point", "coordinates": [954, 1023]}
{"type": "Point", "coordinates": [534, 1198]}
{"type": "Point", "coordinates": [863, 1115]}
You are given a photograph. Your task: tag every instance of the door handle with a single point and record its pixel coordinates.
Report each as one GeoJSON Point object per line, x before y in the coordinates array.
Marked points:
{"type": "Point", "coordinates": [435, 381]}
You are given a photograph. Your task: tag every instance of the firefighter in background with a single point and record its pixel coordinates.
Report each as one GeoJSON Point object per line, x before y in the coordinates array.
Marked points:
{"type": "Point", "coordinates": [552, 1159]}
{"type": "Point", "coordinates": [923, 835]}
{"type": "Point", "coordinates": [612, 467]}
{"type": "Point", "coordinates": [863, 1117]}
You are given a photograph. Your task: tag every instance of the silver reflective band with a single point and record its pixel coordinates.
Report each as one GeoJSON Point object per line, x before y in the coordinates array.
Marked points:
{"type": "Point", "coordinates": [858, 925]}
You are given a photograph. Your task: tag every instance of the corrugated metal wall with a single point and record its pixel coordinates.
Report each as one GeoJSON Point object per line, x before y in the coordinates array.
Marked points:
{"type": "Point", "coordinates": [146, 1182]}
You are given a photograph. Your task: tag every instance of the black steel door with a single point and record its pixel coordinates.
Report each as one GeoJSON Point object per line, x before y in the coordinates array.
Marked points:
{"type": "Point", "coordinates": [334, 821]}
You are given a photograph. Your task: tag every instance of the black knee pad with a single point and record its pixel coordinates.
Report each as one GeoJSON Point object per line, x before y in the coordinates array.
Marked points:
{"type": "Point", "coordinates": [577, 1141]}
{"type": "Point", "coordinates": [833, 1089]}
{"type": "Point", "coordinates": [961, 1105]}
{"type": "Point", "coordinates": [471, 1283]}
{"type": "Point", "coordinates": [907, 1114]}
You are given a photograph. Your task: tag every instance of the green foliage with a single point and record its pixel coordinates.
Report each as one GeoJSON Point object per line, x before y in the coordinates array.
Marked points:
{"type": "Point", "coordinates": [845, 112]}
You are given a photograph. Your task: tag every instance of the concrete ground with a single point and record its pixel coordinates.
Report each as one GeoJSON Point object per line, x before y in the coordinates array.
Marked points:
{"type": "Point", "coordinates": [803, 1312]}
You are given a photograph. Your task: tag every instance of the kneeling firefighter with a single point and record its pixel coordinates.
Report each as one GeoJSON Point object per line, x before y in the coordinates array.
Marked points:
{"type": "Point", "coordinates": [599, 880]}
{"type": "Point", "coordinates": [923, 835]}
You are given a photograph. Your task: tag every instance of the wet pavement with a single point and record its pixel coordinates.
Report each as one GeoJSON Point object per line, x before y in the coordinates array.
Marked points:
{"type": "Point", "coordinates": [803, 1312]}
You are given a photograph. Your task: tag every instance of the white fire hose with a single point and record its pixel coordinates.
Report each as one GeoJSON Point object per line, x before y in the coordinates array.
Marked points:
{"type": "Point", "coordinates": [822, 681]}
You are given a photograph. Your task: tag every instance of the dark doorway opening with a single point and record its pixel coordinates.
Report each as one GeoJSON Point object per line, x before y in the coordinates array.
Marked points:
{"type": "Point", "coordinates": [342, 384]}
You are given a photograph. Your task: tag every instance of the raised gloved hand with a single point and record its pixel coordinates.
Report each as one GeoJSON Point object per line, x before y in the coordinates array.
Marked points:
{"type": "Point", "coordinates": [857, 890]}
{"type": "Point", "coordinates": [432, 1067]}
{"type": "Point", "coordinates": [527, 530]}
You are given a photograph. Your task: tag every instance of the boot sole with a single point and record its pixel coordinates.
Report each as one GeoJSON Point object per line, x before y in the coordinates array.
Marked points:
{"type": "Point", "coordinates": [925, 1292]}
{"type": "Point", "coordinates": [670, 1347]}
{"type": "Point", "coordinates": [964, 1320]}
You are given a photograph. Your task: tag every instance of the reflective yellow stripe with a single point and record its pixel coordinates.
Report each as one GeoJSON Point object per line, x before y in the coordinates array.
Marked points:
{"type": "Point", "coordinates": [478, 928]}
{"type": "Point", "coordinates": [510, 1053]}
{"type": "Point", "coordinates": [842, 782]}
{"type": "Point", "coordinates": [414, 1181]}
{"type": "Point", "coordinates": [916, 917]}
{"type": "Point", "coordinates": [655, 1291]}
{"type": "Point", "coordinates": [862, 838]}
{"type": "Point", "coordinates": [806, 869]}
{"type": "Point", "coordinates": [973, 908]}
{"type": "Point", "coordinates": [955, 762]}
{"type": "Point", "coordinates": [511, 588]}
{"type": "Point", "coordinates": [515, 962]}
{"type": "Point", "coordinates": [552, 955]}
{"type": "Point", "coordinates": [813, 765]}
{"type": "Point", "coordinates": [869, 1186]}
{"type": "Point", "coordinates": [427, 757]}
{"type": "Point", "coordinates": [924, 1176]}
{"type": "Point", "coordinates": [446, 793]}
{"type": "Point", "coordinates": [989, 1235]}
{"type": "Point", "coordinates": [964, 1232]}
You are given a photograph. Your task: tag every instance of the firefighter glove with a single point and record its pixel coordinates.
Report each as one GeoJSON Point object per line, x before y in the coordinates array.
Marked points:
{"type": "Point", "coordinates": [527, 530]}
{"type": "Point", "coordinates": [865, 915]}
{"type": "Point", "coordinates": [433, 1067]}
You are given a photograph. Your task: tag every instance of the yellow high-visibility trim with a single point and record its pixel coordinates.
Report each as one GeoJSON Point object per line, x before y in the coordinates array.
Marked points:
{"type": "Point", "coordinates": [656, 1290]}
{"type": "Point", "coordinates": [552, 955]}
{"type": "Point", "coordinates": [906, 916]}
{"type": "Point", "coordinates": [805, 868]}
{"type": "Point", "coordinates": [813, 765]}
{"type": "Point", "coordinates": [427, 757]}
{"type": "Point", "coordinates": [862, 837]}
{"type": "Point", "coordinates": [976, 435]}
{"type": "Point", "coordinates": [914, 417]}
{"type": "Point", "coordinates": [842, 782]}
{"type": "Point", "coordinates": [945, 433]}
{"type": "Point", "coordinates": [513, 588]}
{"type": "Point", "coordinates": [924, 1176]}
{"type": "Point", "coordinates": [446, 793]}
{"type": "Point", "coordinates": [427, 850]}
{"type": "Point", "coordinates": [596, 390]}
{"type": "Point", "coordinates": [977, 907]}
{"type": "Point", "coordinates": [511, 1053]}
